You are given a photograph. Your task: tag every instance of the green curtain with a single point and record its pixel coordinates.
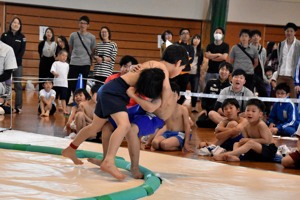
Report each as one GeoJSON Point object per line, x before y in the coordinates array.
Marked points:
{"type": "Point", "coordinates": [219, 12]}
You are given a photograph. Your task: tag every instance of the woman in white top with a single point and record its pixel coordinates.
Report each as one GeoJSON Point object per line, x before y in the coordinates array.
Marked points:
{"type": "Point", "coordinates": [47, 49]}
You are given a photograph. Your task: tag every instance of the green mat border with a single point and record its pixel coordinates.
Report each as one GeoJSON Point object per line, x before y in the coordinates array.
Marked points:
{"type": "Point", "coordinates": [151, 184]}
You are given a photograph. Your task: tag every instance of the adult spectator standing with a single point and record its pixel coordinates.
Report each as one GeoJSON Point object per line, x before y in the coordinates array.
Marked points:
{"type": "Point", "coordinates": [194, 77]}
{"type": "Point", "coordinates": [216, 53]}
{"type": "Point", "coordinates": [288, 55]}
{"type": "Point", "coordinates": [183, 79]}
{"type": "Point", "coordinates": [47, 49]}
{"type": "Point", "coordinates": [244, 56]}
{"type": "Point", "coordinates": [105, 55]}
{"type": "Point", "coordinates": [8, 63]}
{"type": "Point", "coordinates": [14, 38]}
{"type": "Point", "coordinates": [167, 35]}
{"type": "Point", "coordinates": [82, 45]}
{"type": "Point", "coordinates": [259, 71]}
{"type": "Point", "coordinates": [62, 43]}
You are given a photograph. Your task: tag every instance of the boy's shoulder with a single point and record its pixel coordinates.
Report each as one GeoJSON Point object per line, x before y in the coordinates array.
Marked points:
{"type": "Point", "coordinates": [153, 64]}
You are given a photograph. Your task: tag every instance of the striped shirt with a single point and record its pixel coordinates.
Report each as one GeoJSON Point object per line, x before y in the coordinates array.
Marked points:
{"type": "Point", "coordinates": [106, 49]}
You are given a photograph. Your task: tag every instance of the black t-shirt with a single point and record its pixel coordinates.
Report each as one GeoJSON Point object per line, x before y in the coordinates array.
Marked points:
{"type": "Point", "coordinates": [213, 66]}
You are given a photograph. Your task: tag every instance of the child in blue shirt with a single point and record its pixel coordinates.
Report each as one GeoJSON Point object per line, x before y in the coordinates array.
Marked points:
{"type": "Point", "coordinates": [284, 117]}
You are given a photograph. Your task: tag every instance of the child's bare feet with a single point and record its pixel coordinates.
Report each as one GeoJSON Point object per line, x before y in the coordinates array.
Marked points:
{"type": "Point", "coordinates": [231, 158]}
{"type": "Point", "coordinates": [220, 157]}
{"type": "Point", "coordinates": [46, 114]}
{"type": "Point", "coordinates": [112, 170]}
{"type": "Point", "coordinates": [136, 173]}
{"type": "Point", "coordinates": [71, 153]}
{"type": "Point", "coordinates": [95, 161]}
{"type": "Point", "coordinates": [42, 115]}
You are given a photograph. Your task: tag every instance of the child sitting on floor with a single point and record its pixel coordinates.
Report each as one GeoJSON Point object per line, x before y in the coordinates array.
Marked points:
{"type": "Point", "coordinates": [80, 95]}
{"type": "Point", "coordinates": [228, 131]}
{"type": "Point", "coordinates": [47, 96]}
{"type": "Point", "coordinates": [176, 132]}
{"type": "Point", "coordinates": [85, 111]}
{"type": "Point", "coordinates": [284, 117]}
{"type": "Point", "coordinates": [258, 143]}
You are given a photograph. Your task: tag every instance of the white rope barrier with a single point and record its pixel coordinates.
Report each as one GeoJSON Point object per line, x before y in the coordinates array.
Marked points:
{"type": "Point", "coordinates": [264, 99]}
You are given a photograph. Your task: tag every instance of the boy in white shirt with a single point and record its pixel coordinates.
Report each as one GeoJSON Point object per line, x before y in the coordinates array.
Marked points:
{"type": "Point", "coordinates": [47, 96]}
{"type": "Point", "coordinates": [60, 70]}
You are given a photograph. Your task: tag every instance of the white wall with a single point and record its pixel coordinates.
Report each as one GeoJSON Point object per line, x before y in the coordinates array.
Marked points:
{"type": "Point", "coordinates": [276, 12]}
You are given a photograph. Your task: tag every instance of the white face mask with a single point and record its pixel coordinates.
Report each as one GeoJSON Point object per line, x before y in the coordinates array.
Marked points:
{"type": "Point", "coordinates": [218, 36]}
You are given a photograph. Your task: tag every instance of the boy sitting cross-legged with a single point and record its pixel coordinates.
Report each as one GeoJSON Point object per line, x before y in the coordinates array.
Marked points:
{"type": "Point", "coordinates": [257, 143]}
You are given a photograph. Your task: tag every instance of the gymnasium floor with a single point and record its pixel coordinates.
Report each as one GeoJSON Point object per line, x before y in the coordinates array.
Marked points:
{"type": "Point", "coordinates": [27, 175]}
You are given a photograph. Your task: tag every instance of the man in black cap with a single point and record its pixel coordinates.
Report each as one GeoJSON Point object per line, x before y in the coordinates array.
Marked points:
{"type": "Point", "coordinates": [288, 55]}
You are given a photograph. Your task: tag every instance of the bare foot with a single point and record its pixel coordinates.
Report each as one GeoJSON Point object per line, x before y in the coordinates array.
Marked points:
{"type": "Point", "coordinates": [112, 170]}
{"type": "Point", "coordinates": [136, 173]}
{"type": "Point", "coordinates": [46, 114]}
{"type": "Point", "coordinates": [95, 161]}
{"type": "Point", "coordinates": [220, 157]}
{"type": "Point", "coordinates": [71, 153]}
{"type": "Point", "coordinates": [231, 158]}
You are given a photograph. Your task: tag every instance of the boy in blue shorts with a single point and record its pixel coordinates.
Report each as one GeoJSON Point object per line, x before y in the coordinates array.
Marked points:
{"type": "Point", "coordinates": [175, 134]}
{"type": "Point", "coordinates": [143, 123]}
{"type": "Point", "coordinates": [150, 79]}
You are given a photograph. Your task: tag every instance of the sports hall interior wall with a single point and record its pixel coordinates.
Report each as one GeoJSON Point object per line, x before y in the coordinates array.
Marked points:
{"type": "Point", "coordinates": [134, 35]}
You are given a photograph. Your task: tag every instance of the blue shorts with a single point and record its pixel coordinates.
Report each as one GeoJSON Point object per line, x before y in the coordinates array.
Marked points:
{"type": "Point", "coordinates": [179, 135]}
{"type": "Point", "coordinates": [112, 98]}
{"type": "Point", "coordinates": [228, 144]}
{"type": "Point", "coordinates": [146, 122]}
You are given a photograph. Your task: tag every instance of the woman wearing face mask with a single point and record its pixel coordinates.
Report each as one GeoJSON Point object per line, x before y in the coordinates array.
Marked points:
{"type": "Point", "coordinates": [195, 69]}
{"type": "Point", "coordinates": [14, 38]}
{"type": "Point", "coordinates": [216, 53]}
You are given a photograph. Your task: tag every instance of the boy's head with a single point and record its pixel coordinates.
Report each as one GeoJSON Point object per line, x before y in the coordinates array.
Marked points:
{"type": "Point", "coordinates": [150, 82]}
{"type": "Point", "coordinates": [231, 108]}
{"type": "Point", "coordinates": [282, 90]}
{"type": "Point", "coordinates": [94, 91]}
{"type": "Point", "coordinates": [85, 19]}
{"type": "Point", "coordinates": [48, 84]}
{"type": "Point", "coordinates": [255, 36]}
{"type": "Point", "coordinates": [244, 35]}
{"type": "Point", "coordinates": [62, 55]}
{"type": "Point", "coordinates": [184, 34]}
{"type": "Point", "coordinates": [238, 79]}
{"type": "Point", "coordinates": [126, 62]}
{"type": "Point", "coordinates": [81, 95]}
{"type": "Point", "coordinates": [254, 110]}
{"type": "Point", "coordinates": [269, 72]}
{"type": "Point", "coordinates": [290, 30]}
{"type": "Point", "coordinates": [175, 88]}
{"type": "Point", "coordinates": [175, 55]}
{"type": "Point", "coordinates": [225, 69]}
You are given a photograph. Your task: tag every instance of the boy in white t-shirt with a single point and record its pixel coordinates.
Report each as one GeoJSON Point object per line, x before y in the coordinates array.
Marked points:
{"type": "Point", "coordinates": [47, 96]}
{"type": "Point", "coordinates": [60, 70]}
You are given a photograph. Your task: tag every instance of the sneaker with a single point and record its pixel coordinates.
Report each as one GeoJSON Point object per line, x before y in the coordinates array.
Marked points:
{"type": "Point", "coordinates": [284, 150]}
{"type": "Point", "coordinates": [218, 150]}
{"type": "Point", "coordinates": [206, 151]}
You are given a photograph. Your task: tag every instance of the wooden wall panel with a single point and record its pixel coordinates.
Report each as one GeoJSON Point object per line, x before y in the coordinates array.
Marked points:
{"type": "Point", "coordinates": [134, 35]}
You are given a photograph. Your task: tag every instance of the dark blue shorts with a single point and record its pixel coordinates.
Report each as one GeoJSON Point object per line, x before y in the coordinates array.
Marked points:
{"type": "Point", "coordinates": [228, 144]}
{"type": "Point", "coordinates": [179, 135]}
{"type": "Point", "coordinates": [112, 98]}
{"type": "Point", "coordinates": [61, 92]}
